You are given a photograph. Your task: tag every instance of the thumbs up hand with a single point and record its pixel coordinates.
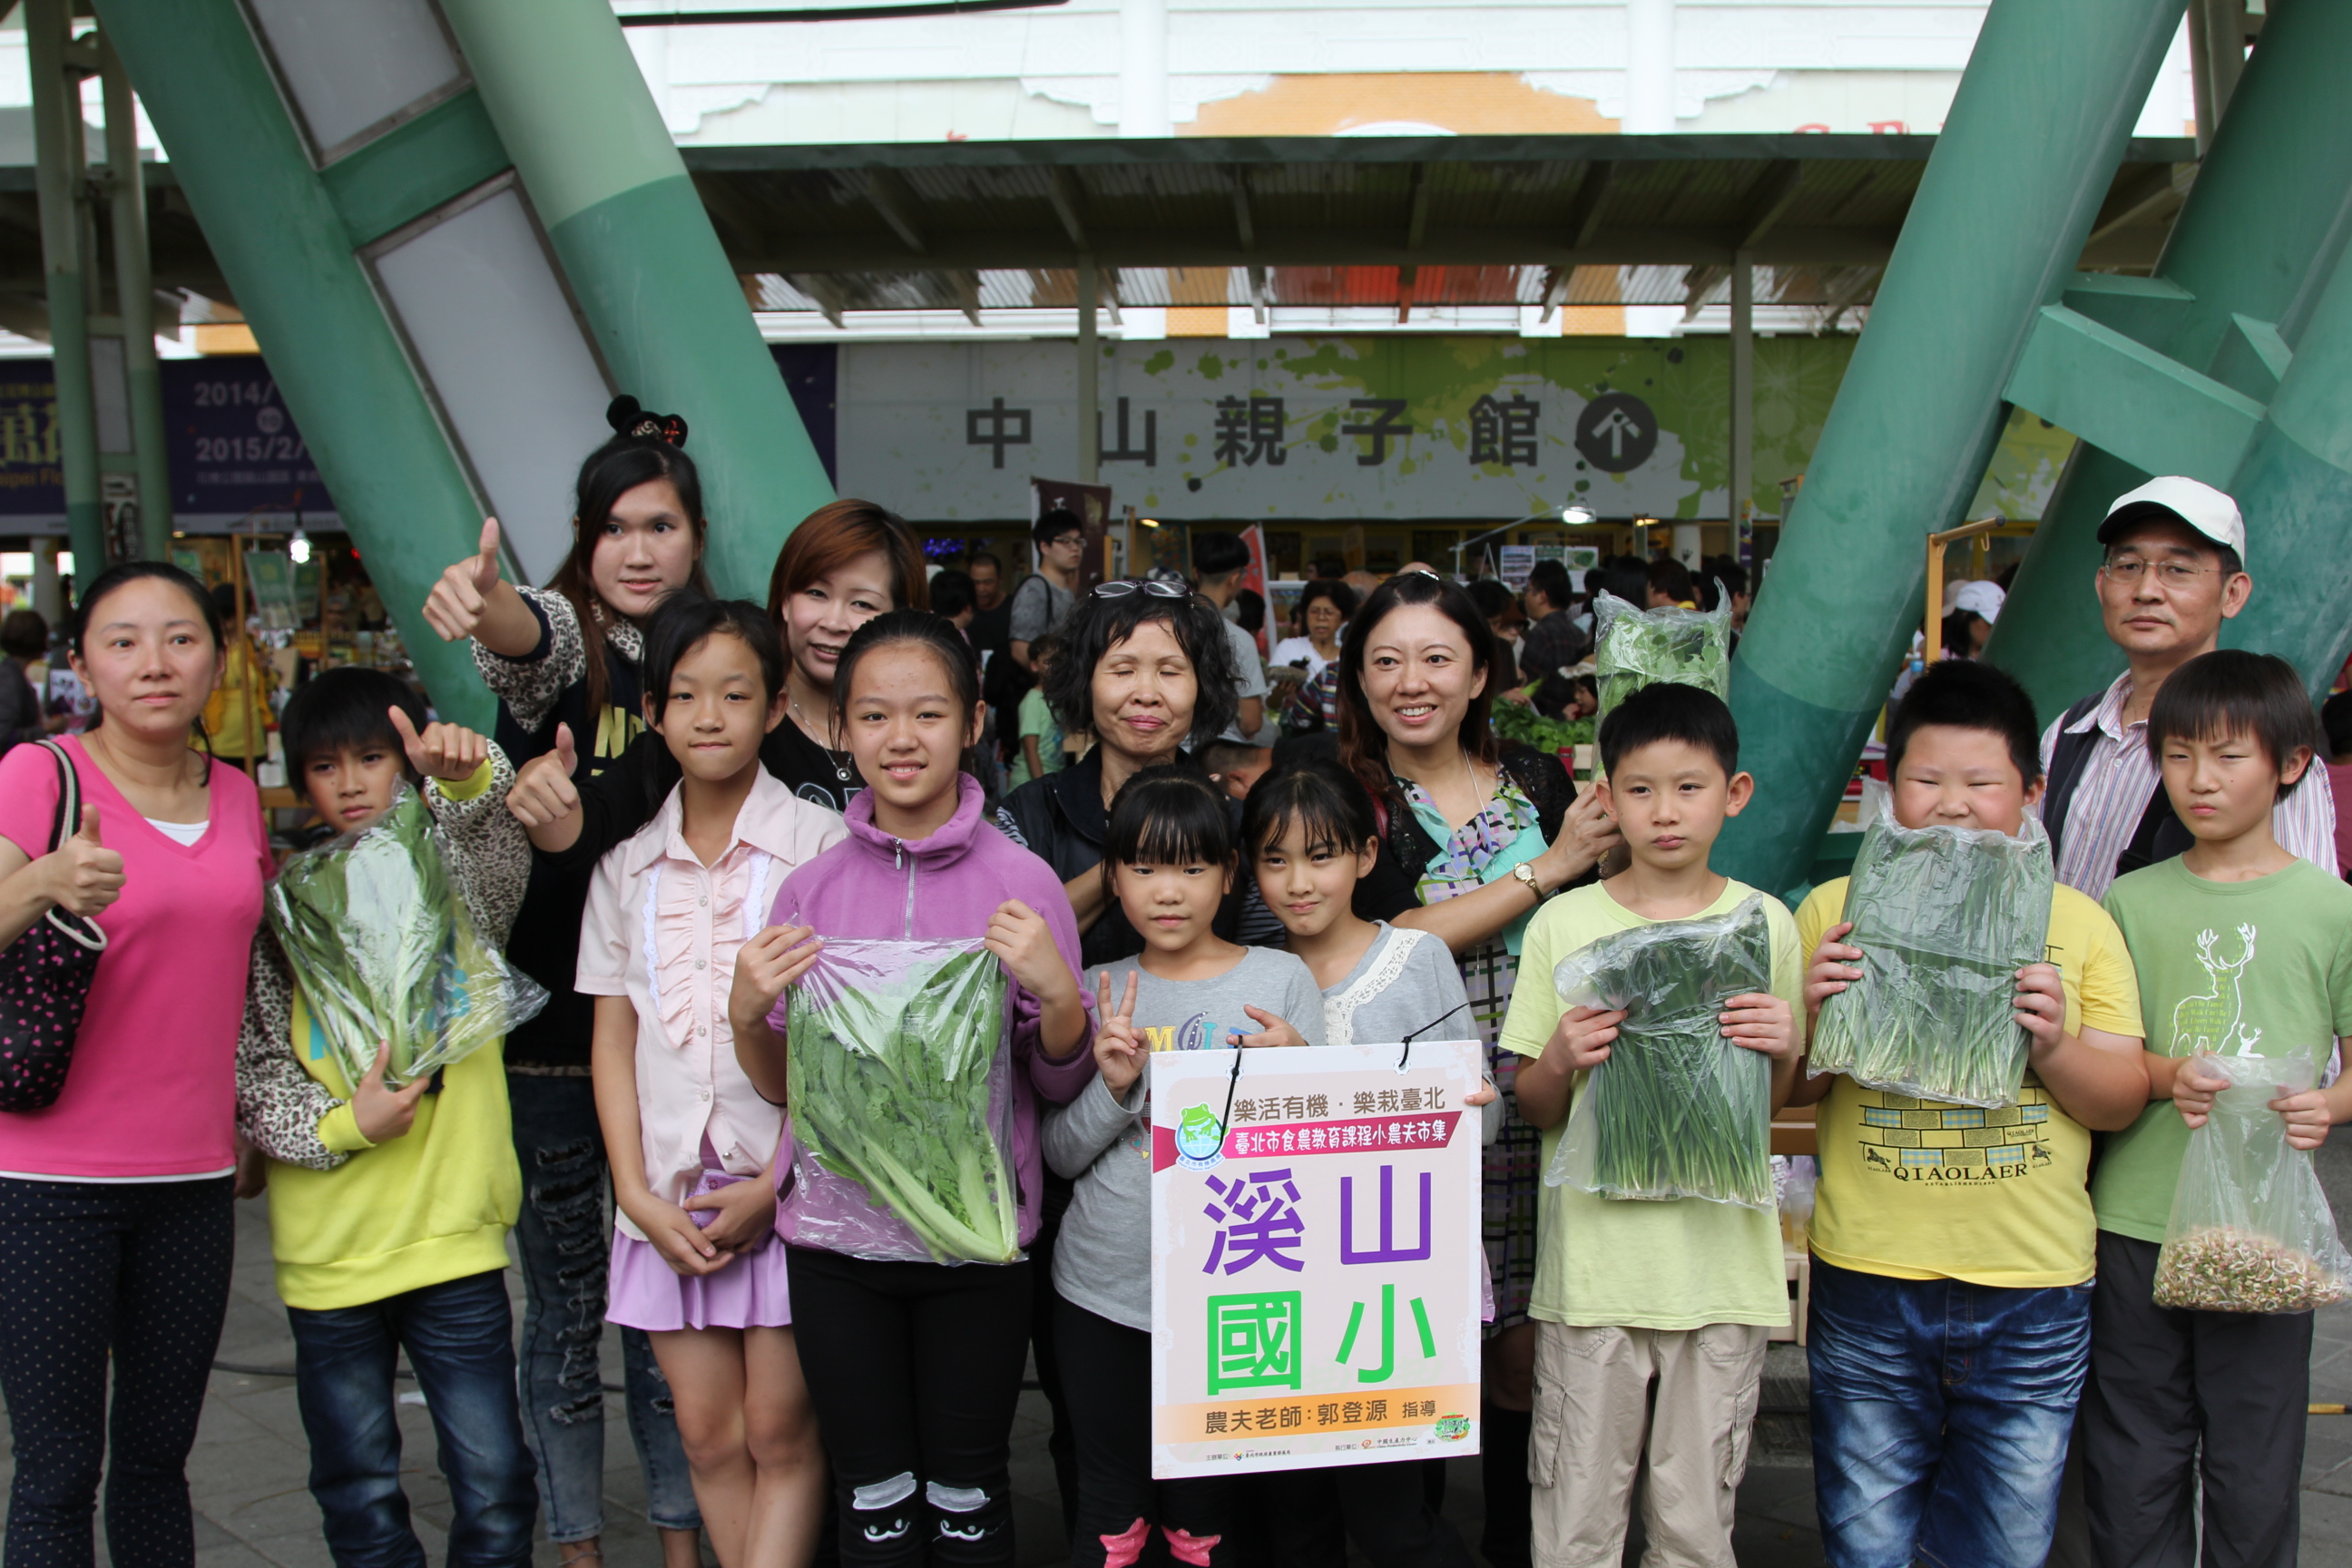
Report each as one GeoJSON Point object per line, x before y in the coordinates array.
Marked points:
{"type": "Point", "coordinates": [461, 598]}
{"type": "Point", "coordinates": [544, 793]}
{"type": "Point", "coordinates": [83, 876]}
{"type": "Point", "coordinates": [447, 751]}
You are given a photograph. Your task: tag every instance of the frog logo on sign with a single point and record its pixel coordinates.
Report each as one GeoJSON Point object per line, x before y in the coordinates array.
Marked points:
{"type": "Point", "coordinates": [1616, 432]}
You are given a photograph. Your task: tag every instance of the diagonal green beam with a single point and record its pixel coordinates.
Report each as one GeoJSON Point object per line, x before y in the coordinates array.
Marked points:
{"type": "Point", "coordinates": [2129, 399]}
{"type": "Point", "coordinates": [636, 246]}
{"type": "Point", "coordinates": [2036, 130]}
{"type": "Point", "coordinates": [2263, 219]}
{"type": "Point", "coordinates": [273, 226]}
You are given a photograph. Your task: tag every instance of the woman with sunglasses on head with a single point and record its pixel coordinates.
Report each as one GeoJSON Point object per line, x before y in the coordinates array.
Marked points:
{"type": "Point", "coordinates": [564, 663]}
{"type": "Point", "coordinates": [1145, 668]}
{"type": "Point", "coordinates": [1473, 839]}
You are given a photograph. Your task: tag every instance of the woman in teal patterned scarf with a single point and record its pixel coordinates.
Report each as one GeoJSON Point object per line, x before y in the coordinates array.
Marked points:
{"type": "Point", "coordinates": [1474, 839]}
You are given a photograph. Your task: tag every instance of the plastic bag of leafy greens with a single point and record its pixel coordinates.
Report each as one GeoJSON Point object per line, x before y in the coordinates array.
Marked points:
{"type": "Point", "coordinates": [384, 949]}
{"type": "Point", "coordinates": [2250, 1230]}
{"type": "Point", "coordinates": [1678, 1110]}
{"type": "Point", "coordinates": [900, 1063]}
{"type": "Point", "coordinates": [1944, 918]}
{"type": "Point", "coordinates": [1633, 648]}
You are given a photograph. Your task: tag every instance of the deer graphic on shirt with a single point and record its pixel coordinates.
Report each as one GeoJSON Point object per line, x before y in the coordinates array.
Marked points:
{"type": "Point", "coordinates": [2215, 1021]}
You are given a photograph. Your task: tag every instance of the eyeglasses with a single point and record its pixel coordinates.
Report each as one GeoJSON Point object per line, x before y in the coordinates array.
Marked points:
{"type": "Point", "coordinates": [2131, 571]}
{"type": "Point", "coordinates": [1120, 587]}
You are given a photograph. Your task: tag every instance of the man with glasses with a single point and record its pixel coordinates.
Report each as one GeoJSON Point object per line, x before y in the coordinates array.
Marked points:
{"type": "Point", "coordinates": [1043, 602]}
{"type": "Point", "coordinates": [2175, 570]}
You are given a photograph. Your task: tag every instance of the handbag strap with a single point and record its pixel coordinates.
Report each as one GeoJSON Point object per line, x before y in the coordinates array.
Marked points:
{"type": "Point", "coordinates": [68, 820]}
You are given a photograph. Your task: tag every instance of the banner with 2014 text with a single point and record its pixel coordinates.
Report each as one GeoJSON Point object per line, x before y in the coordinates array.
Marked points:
{"type": "Point", "coordinates": [1316, 1256]}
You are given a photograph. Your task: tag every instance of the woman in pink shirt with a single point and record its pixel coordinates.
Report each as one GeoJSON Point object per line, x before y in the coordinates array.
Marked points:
{"type": "Point", "coordinates": [115, 1229]}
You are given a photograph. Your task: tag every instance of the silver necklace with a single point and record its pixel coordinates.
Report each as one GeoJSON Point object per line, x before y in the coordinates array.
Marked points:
{"type": "Point", "coordinates": [808, 727]}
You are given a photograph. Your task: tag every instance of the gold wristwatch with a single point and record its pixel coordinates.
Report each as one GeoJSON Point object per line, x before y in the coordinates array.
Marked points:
{"type": "Point", "coordinates": [1527, 873]}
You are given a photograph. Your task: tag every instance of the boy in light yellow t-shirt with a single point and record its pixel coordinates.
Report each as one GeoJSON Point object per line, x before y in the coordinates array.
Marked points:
{"type": "Point", "coordinates": [1681, 1293]}
{"type": "Point", "coordinates": [1952, 1244]}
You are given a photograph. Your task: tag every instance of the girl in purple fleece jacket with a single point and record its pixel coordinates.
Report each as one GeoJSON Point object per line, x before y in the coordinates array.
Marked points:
{"type": "Point", "coordinates": [914, 1368]}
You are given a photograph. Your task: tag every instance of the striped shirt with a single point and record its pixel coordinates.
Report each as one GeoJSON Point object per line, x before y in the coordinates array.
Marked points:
{"type": "Point", "coordinates": [2119, 778]}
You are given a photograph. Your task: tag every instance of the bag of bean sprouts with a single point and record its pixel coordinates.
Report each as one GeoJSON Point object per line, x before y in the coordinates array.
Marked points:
{"type": "Point", "coordinates": [2250, 1230]}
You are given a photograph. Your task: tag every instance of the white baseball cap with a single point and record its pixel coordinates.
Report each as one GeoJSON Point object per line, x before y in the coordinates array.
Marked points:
{"type": "Point", "coordinates": [1980, 598]}
{"type": "Point", "coordinates": [2200, 506]}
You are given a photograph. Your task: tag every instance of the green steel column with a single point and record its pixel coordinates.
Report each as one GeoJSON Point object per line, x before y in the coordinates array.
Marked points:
{"type": "Point", "coordinates": [2295, 490]}
{"type": "Point", "coordinates": [1089, 379]}
{"type": "Point", "coordinates": [638, 248]}
{"type": "Point", "coordinates": [57, 152]}
{"type": "Point", "coordinates": [134, 286]}
{"type": "Point", "coordinates": [2256, 223]}
{"type": "Point", "coordinates": [2035, 132]}
{"type": "Point", "coordinates": [343, 371]}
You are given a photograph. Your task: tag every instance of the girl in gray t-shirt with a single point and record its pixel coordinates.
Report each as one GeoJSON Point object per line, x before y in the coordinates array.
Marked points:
{"type": "Point", "coordinates": [1168, 860]}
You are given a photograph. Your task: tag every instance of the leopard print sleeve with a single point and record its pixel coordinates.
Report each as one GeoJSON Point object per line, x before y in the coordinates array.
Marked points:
{"type": "Point", "coordinates": [530, 686]}
{"type": "Point", "coordinates": [278, 1105]}
{"type": "Point", "coordinates": [486, 849]}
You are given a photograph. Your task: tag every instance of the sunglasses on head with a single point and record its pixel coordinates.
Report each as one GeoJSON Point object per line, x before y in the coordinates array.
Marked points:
{"type": "Point", "coordinates": [1120, 587]}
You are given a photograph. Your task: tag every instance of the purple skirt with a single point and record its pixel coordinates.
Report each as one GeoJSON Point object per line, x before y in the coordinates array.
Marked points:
{"type": "Point", "coordinates": [646, 1292]}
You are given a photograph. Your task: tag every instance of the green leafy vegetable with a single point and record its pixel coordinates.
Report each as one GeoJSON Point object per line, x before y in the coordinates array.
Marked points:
{"type": "Point", "coordinates": [891, 1084]}
{"type": "Point", "coordinates": [384, 949]}
{"type": "Point", "coordinates": [1944, 918]}
{"type": "Point", "coordinates": [1678, 1110]}
{"type": "Point", "coordinates": [1636, 648]}
{"type": "Point", "coordinates": [1518, 722]}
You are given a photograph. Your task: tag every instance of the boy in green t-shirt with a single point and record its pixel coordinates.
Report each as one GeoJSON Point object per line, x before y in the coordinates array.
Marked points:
{"type": "Point", "coordinates": [2241, 950]}
{"type": "Point", "coordinates": [1650, 1317]}
{"type": "Point", "coordinates": [1950, 1312]}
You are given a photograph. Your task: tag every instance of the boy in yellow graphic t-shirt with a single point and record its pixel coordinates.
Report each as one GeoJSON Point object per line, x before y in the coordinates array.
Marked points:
{"type": "Point", "coordinates": [1952, 1244]}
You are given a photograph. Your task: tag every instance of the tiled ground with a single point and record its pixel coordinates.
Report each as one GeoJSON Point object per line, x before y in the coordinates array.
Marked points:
{"type": "Point", "coordinates": [253, 1508]}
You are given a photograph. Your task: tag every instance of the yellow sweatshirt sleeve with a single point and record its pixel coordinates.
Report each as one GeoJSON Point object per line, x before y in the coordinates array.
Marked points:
{"type": "Point", "coordinates": [340, 1130]}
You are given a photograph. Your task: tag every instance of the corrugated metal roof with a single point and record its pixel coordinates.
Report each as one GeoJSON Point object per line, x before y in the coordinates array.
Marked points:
{"type": "Point", "coordinates": [1342, 222]}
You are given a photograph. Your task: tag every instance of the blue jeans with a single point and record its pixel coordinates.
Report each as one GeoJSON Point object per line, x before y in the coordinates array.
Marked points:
{"type": "Point", "coordinates": [1941, 1414]}
{"type": "Point", "coordinates": [460, 1340]}
{"type": "Point", "coordinates": [564, 1237]}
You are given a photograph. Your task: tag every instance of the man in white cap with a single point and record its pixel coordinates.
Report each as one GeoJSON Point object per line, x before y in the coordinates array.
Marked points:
{"type": "Point", "coordinates": [2174, 571]}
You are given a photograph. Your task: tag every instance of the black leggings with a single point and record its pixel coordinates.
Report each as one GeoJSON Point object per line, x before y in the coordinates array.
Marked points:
{"type": "Point", "coordinates": [1106, 1377]}
{"type": "Point", "coordinates": [914, 1370]}
{"type": "Point", "coordinates": [137, 1271]}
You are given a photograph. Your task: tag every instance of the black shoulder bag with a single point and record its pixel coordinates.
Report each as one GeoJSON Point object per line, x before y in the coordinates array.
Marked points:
{"type": "Point", "coordinates": [45, 978]}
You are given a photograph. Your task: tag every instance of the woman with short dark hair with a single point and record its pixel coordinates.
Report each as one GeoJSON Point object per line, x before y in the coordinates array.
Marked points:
{"type": "Point", "coordinates": [1145, 669]}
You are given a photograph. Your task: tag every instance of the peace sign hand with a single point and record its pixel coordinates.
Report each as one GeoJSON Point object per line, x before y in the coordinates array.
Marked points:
{"type": "Point", "coordinates": [1119, 1048]}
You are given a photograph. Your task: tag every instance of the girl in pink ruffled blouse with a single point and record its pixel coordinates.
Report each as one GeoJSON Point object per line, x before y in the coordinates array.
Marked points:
{"type": "Point", "coordinates": [694, 1150]}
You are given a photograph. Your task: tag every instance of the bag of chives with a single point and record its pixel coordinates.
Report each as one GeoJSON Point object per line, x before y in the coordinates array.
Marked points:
{"type": "Point", "coordinates": [1678, 1110]}
{"type": "Point", "coordinates": [1945, 917]}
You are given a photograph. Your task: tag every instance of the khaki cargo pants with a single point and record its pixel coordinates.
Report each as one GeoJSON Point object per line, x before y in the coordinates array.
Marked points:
{"type": "Point", "coordinates": [1677, 1404]}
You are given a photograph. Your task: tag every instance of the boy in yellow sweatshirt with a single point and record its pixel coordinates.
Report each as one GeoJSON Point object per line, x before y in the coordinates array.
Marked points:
{"type": "Point", "coordinates": [389, 1209]}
